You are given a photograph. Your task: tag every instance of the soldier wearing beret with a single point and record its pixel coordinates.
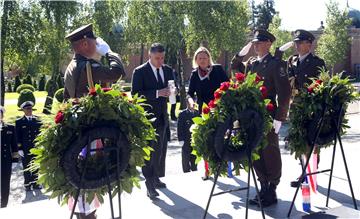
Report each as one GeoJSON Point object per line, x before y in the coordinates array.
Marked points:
{"type": "Point", "coordinates": [304, 65]}
{"type": "Point", "coordinates": [86, 48]}
{"type": "Point", "coordinates": [9, 153]}
{"type": "Point", "coordinates": [27, 129]}
{"type": "Point", "coordinates": [273, 71]}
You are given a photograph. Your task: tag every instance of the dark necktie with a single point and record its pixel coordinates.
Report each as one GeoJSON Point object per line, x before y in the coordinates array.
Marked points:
{"type": "Point", "coordinates": [159, 79]}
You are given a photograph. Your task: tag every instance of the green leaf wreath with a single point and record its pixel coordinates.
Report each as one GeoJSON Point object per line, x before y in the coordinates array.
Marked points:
{"type": "Point", "coordinates": [242, 92]}
{"type": "Point", "coordinates": [326, 91]}
{"type": "Point", "coordinates": [105, 104]}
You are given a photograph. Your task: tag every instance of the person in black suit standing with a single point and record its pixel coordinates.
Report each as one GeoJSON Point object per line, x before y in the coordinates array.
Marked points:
{"type": "Point", "coordinates": [27, 129]}
{"type": "Point", "coordinates": [9, 153]}
{"type": "Point", "coordinates": [151, 80]}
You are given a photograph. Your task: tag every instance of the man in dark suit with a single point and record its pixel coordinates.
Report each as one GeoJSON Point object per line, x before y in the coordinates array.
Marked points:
{"type": "Point", "coordinates": [27, 129]}
{"type": "Point", "coordinates": [151, 80]}
{"type": "Point", "coordinates": [9, 153]}
{"type": "Point", "coordinates": [302, 67]}
{"type": "Point", "coordinates": [273, 71]}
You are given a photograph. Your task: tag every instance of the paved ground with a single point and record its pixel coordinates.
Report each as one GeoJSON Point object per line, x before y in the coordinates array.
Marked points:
{"type": "Point", "coordinates": [187, 194]}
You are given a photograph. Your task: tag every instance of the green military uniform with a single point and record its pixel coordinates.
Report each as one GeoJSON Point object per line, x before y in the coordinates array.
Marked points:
{"type": "Point", "coordinates": [76, 83]}
{"type": "Point", "coordinates": [273, 72]}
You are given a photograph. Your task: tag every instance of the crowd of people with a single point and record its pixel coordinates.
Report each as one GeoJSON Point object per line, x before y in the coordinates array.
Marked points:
{"type": "Point", "coordinates": [282, 79]}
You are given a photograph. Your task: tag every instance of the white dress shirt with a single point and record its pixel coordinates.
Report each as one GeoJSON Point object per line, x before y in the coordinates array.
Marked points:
{"type": "Point", "coordinates": [155, 73]}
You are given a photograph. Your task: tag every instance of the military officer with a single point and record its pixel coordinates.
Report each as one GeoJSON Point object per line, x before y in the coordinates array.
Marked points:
{"type": "Point", "coordinates": [27, 129]}
{"type": "Point", "coordinates": [273, 72]}
{"type": "Point", "coordinates": [9, 153]}
{"type": "Point", "coordinates": [87, 47]}
{"type": "Point", "coordinates": [304, 65]}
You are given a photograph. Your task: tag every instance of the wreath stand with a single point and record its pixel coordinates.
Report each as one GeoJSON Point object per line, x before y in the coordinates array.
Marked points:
{"type": "Point", "coordinates": [107, 151]}
{"type": "Point", "coordinates": [247, 154]}
{"type": "Point", "coordinates": [337, 137]}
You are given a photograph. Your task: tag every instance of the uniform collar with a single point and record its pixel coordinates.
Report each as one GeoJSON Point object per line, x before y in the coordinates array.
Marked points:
{"type": "Point", "coordinates": [303, 57]}
{"type": "Point", "coordinates": [260, 59]}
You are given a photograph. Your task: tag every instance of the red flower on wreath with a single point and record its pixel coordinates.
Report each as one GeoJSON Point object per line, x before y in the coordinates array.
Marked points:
{"type": "Point", "coordinates": [212, 104]}
{"type": "Point", "coordinates": [59, 117]}
{"type": "Point", "coordinates": [235, 86]}
{"type": "Point", "coordinates": [206, 110]}
{"type": "Point", "coordinates": [318, 81]}
{"type": "Point", "coordinates": [92, 91]}
{"type": "Point", "coordinates": [106, 89]}
{"type": "Point", "coordinates": [263, 91]}
{"type": "Point", "coordinates": [225, 86]}
{"type": "Point", "coordinates": [258, 78]}
{"type": "Point", "coordinates": [270, 107]}
{"type": "Point", "coordinates": [124, 94]}
{"type": "Point", "coordinates": [217, 95]}
{"type": "Point", "coordinates": [310, 89]}
{"type": "Point", "coordinates": [240, 77]}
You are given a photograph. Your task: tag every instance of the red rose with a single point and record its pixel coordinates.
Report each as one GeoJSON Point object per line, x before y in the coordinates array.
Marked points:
{"type": "Point", "coordinates": [270, 107]}
{"type": "Point", "coordinates": [206, 110]}
{"type": "Point", "coordinates": [310, 89]}
{"type": "Point", "coordinates": [235, 86]}
{"type": "Point", "coordinates": [59, 117]}
{"type": "Point", "coordinates": [124, 94]}
{"type": "Point", "coordinates": [225, 86]}
{"type": "Point", "coordinates": [240, 77]}
{"type": "Point", "coordinates": [258, 78]}
{"type": "Point", "coordinates": [212, 104]}
{"type": "Point", "coordinates": [106, 89]}
{"type": "Point", "coordinates": [319, 81]}
{"type": "Point", "coordinates": [217, 95]}
{"type": "Point", "coordinates": [263, 91]}
{"type": "Point", "coordinates": [92, 92]}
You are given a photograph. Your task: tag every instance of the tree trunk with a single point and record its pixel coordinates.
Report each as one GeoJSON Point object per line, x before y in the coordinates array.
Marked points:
{"type": "Point", "coordinates": [4, 25]}
{"type": "Point", "coordinates": [181, 82]}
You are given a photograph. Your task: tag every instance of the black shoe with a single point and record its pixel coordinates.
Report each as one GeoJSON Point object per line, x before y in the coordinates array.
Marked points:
{"type": "Point", "coordinates": [152, 194]}
{"type": "Point", "coordinates": [270, 196]}
{"type": "Point", "coordinates": [295, 184]}
{"type": "Point", "coordinates": [158, 184]}
{"type": "Point", "coordinates": [28, 188]}
{"type": "Point", "coordinates": [205, 177]}
{"type": "Point", "coordinates": [263, 190]}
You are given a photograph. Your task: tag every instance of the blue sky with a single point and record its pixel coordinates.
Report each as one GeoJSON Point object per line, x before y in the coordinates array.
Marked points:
{"type": "Point", "coordinates": [306, 14]}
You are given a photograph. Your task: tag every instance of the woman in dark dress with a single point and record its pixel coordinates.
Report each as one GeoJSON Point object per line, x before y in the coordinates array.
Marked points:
{"type": "Point", "coordinates": [204, 80]}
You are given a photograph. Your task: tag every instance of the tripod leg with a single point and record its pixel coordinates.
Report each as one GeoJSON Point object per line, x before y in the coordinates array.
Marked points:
{"type": "Point", "coordinates": [347, 171]}
{"type": "Point", "coordinates": [217, 173]}
{"type": "Point", "coordinates": [256, 186]}
{"type": "Point", "coordinates": [331, 172]}
{"type": "Point", "coordinates": [109, 186]}
{"type": "Point", "coordinates": [75, 203]}
{"type": "Point", "coordinates": [303, 175]}
{"type": "Point", "coordinates": [118, 180]}
{"type": "Point", "coordinates": [247, 195]}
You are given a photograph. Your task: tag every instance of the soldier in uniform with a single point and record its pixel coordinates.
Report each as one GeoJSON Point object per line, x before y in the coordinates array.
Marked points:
{"type": "Point", "coordinates": [302, 67]}
{"type": "Point", "coordinates": [27, 129]}
{"type": "Point", "coordinates": [86, 48]}
{"type": "Point", "coordinates": [272, 70]}
{"type": "Point", "coordinates": [9, 153]}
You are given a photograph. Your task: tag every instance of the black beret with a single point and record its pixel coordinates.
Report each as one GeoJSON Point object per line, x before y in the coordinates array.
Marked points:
{"type": "Point", "coordinates": [81, 33]}
{"type": "Point", "coordinates": [263, 35]}
{"type": "Point", "coordinates": [301, 35]}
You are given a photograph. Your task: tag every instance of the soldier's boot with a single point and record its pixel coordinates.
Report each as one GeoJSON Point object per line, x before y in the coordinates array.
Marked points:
{"type": "Point", "coordinates": [263, 190]}
{"type": "Point", "coordinates": [270, 196]}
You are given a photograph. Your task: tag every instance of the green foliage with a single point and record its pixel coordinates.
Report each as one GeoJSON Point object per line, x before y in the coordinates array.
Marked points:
{"type": "Point", "coordinates": [236, 96]}
{"type": "Point", "coordinates": [51, 85]}
{"type": "Point", "coordinates": [330, 92]}
{"type": "Point", "coordinates": [108, 106]}
{"type": "Point", "coordinates": [59, 81]}
{"type": "Point", "coordinates": [27, 79]}
{"type": "Point", "coordinates": [59, 95]}
{"type": "Point", "coordinates": [17, 82]}
{"type": "Point", "coordinates": [264, 13]}
{"type": "Point", "coordinates": [9, 87]}
{"type": "Point", "coordinates": [41, 86]}
{"type": "Point", "coordinates": [25, 86]}
{"type": "Point", "coordinates": [334, 42]}
{"type": "Point", "coordinates": [35, 84]}
{"type": "Point", "coordinates": [25, 95]}
{"type": "Point", "coordinates": [282, 36]}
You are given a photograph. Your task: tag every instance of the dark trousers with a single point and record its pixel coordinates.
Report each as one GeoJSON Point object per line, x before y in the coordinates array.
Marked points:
{"type": "Point", "coordinates": [155, 167]}
{"type": "Point", "coordinates": [268, 167]}
{"type": "Point", "coordinates": [29, 177]}
{"type": "Point", "coordinates": [5, 182]}
{"type": "Point", "coordinates": [188, 159]}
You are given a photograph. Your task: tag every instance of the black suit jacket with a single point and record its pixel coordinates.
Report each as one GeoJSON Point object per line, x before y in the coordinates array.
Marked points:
{"type": "Point", "coordinates": [26, 132]}
{"type": "Point", "coordinates": [144, 83]}
{"type": "Point", "coordinates": [8, 143]}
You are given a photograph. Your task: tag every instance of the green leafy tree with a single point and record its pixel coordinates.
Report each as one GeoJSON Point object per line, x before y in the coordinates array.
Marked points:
{"type": "Point", "coordinates": [25, 86]}
{"type": "Point", "coordinates": [59, 81]}
{"type": "Point", "coordinates": [17, 82]}
{"type": "Point", "coordinates": [26, 95]}
{"type": "Point", "coordinates": [42, 82]}
{"type": "Point", "coordinates": [282, 36]}
{"type": "Point", "coordinates": [335, 41]}
{"type": "Point", "coordinates": [10, 87]}
{"type": "Point", "coordinates": [264, 14]}
{"type": "Point", "coordinates": [27, 79]}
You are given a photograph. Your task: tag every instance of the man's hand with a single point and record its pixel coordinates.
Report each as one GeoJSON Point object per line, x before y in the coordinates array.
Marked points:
{"type": "Point", "coordinates": [165, 92]}
{"type": "Point", "coordinates": [191, 103]}
{"type": "Point", "coordinates": [277, 126]}
{"type": "Point", "coordinates": [21, 153]}
{"type": "Point", "coordinates": [102, 47]}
